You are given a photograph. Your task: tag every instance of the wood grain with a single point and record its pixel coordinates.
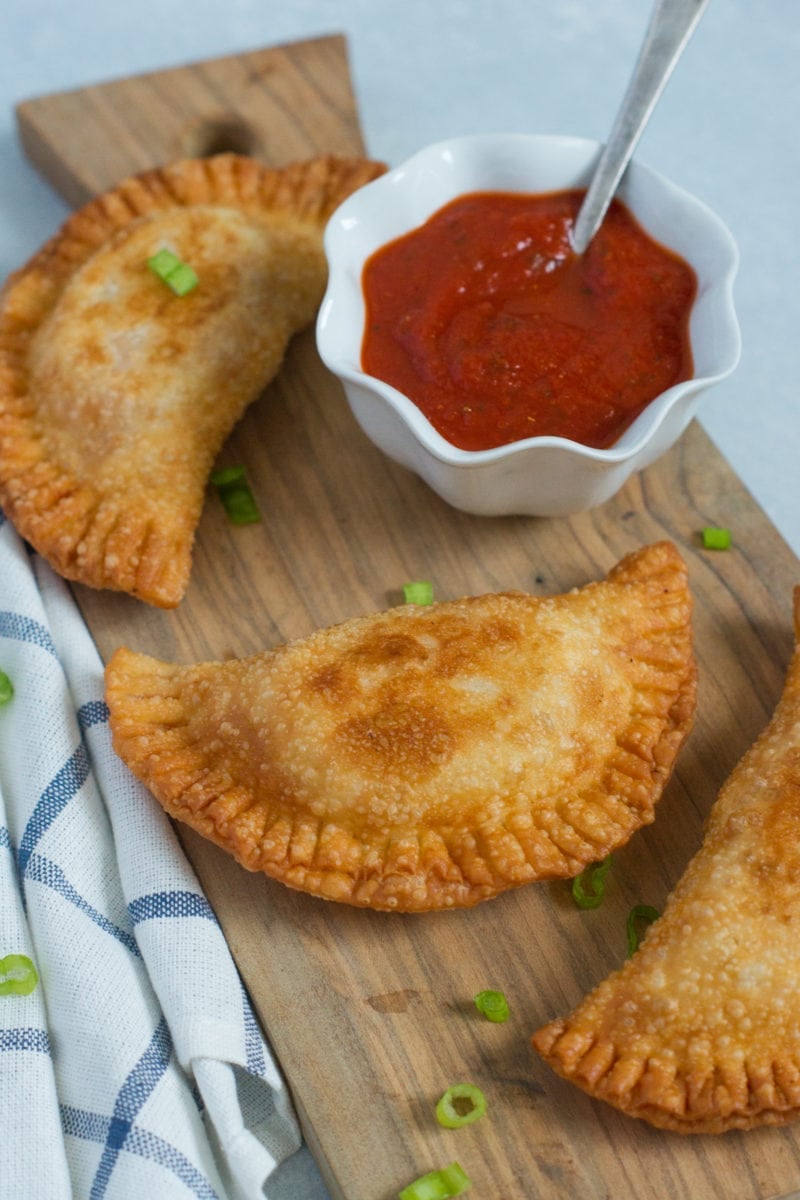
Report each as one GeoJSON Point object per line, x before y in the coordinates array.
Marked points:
{"type": "Point", "coordinates": [370, 1014]}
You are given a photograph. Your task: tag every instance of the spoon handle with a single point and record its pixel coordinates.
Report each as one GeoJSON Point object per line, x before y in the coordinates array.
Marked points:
{"type": "Point", "coordinates": [671, 25]}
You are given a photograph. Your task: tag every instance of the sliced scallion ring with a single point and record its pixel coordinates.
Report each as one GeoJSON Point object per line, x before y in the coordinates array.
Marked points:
{"type": "Point", "coordinates": [6, 688]}
{"type": "Point", "coordinates": [438, 1185]}
{"type": "Point", "coordinates": [589, 887]}
{"type": "Point", "coordinates": [20, 974]}
{"type": "Point", "coordinates": [640, 914]}
{"type": "Point", "coordinates": [236, 496]}
{"type": "Point", "coordinates": [493, 1005]}
{"type": "Point", "coordinates": [226, 476]}
{"type": "Point", "coordinates": [716, 539]}
{"type": "Point", "coordinates": [418, 592]}
{"type": "Point", "coordinates": [182, 280]}
{"type": "Point", "coordinates": [461, 1104]}
{"type": "Point", "coordinates": [162, 262]}
{"type": "Point", "coordinates": [177, 275]}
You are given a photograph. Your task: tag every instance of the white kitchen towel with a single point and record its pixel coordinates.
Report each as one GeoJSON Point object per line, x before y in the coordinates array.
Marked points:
{"type": "Point", "coordinates": [136, 1066]}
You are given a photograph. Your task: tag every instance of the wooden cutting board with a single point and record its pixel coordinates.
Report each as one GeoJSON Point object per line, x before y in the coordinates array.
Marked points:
{"type": "Point", "coordinates": [370, 1014]}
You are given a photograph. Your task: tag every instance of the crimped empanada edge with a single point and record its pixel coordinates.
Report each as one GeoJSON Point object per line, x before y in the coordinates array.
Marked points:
{"type": "Point", "coordinates": [746, 1094]}
{"type": "Point", "coordinates": [309, 190]}
{"type": "Point", "coordinates": [52, 509]}
{"type": "Point", "coordinates": [653, 1091]}
{"type": "Point", "coordinates": [444, 875]}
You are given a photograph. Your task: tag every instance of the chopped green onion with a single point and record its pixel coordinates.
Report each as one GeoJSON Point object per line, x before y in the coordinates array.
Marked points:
{"type": "Point", "coordinates": [236, 496]}
{"type": "Point", "coordinates": [6, 688]}
{"type": "Point", "coordinates": [460, 1105]}
{"type": "Point", "coordinates": [420, 592]}
{"type": "Point", "coordinates": [644, 914]}
{"type": "Point", "coordinates": [176, 274]}
{"type": "Point", "coordinates": [182, 279]}
{"type": "Point", "coordinates": [162, 262]}
{"type": "Point", "coordinates": [228, 475]}
{"type": "Point", "coordinates": [716, 539]}
{"type": "Point", "coordinates": [438, 1185]}
{"type": "Point", "coordinates": [589, 887]}
{"type": "Point", "coordinates": [493, 1005]}
{"type": "Point", "coordinates": [20, 975]}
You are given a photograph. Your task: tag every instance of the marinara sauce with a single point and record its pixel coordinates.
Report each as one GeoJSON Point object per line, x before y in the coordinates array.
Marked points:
{"type": "Point", "coordinates": [486, 318]}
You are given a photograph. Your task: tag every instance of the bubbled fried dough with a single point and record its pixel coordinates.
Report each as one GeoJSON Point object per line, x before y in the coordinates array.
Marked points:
{"type": "Point", "coordinates": [699, 1032]}
{"type": "Point", "coordinates": [116, 394]}
{"type": "Point", "coordinates": [427, 757]}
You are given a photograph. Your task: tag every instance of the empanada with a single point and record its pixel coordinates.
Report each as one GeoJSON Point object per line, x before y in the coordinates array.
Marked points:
{"type": "Point", "coordinates": [115, 393]}
{"type": "Point", "coordinates": [428, 757]}
{"type": "Point", "coordinates": [700, 1030]}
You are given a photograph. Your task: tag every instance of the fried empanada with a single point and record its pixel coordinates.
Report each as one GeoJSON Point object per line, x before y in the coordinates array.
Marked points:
{"type": "Point", "coordinates": [115, 393]}
{"type": "Point", "coordinates": [428, 756]}
{"type": "Point", "coordinates": [700, 1030]}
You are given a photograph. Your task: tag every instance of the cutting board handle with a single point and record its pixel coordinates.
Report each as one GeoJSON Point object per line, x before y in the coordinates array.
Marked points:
{"type": "Point", "coordinates": [277, 104]}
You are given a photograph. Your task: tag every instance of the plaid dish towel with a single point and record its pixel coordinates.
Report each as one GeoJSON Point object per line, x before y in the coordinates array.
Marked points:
{"type": "Point", "coordinates": [135, 1067]}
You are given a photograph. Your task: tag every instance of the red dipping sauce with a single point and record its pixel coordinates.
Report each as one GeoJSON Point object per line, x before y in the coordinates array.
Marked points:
{"type": "Point", "coordinates": [486, 318]}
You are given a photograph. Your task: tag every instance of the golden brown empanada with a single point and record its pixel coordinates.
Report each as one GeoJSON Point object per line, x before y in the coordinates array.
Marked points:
{"type": "Point", "coordinates": [700, 1030]}
{"type": "Point", "coordinates": [428, 757]}
{"type": "Point", "coordinates": [116, 394]}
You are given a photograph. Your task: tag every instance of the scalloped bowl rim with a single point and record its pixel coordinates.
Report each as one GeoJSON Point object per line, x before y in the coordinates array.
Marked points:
{"type": "Point", "coordinates": [379, 212]}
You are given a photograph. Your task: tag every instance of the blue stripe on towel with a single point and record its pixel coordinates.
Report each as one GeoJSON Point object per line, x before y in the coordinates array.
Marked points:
{"type": "Point", "coordinates": [94, 712]}
{"type": "Point", "coordinates": [55, 797]}
{"type": "Point", "coordinates": [24, 629]}
{"type": "Point", "coordinates": [150, 1146]}
{"type": "Point", "coordinates": [133, 1094]}
{"type": "Point", "coordinates": [170, 904]}
{"type": "Point", "coordinates": [44, 870]}
{"type": "Point", "coordinates": [89, 1126]}
{"type": "Point", "coordinates": [254, 1046]}
{"type": "Point", "coordinates": [94, 1127]}
{"type": "Point", "coordinates": [25, 1039]}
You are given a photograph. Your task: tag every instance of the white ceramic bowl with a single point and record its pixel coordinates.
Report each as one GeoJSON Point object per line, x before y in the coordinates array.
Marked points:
{"type": "Point", "coordinates": [542, 476]}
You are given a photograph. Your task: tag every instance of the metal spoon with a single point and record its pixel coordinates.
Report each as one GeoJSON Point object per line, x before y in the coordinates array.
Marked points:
{"type": "Point", "coordinates": [671, 25]}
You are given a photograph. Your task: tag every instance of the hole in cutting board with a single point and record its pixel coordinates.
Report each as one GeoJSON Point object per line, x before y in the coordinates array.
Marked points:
{"type": "Point", "coordinates": [219, 134]}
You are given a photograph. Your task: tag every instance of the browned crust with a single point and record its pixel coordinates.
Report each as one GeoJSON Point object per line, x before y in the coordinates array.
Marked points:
{"type": "Point", "coordinates": [698, 1031]}
{"type": "Point", "coordinates": [309, 190]}
{"type": "Point", "coordinates": [71, 521]}
{"type": "Point", "coordinates": [381, 690]}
